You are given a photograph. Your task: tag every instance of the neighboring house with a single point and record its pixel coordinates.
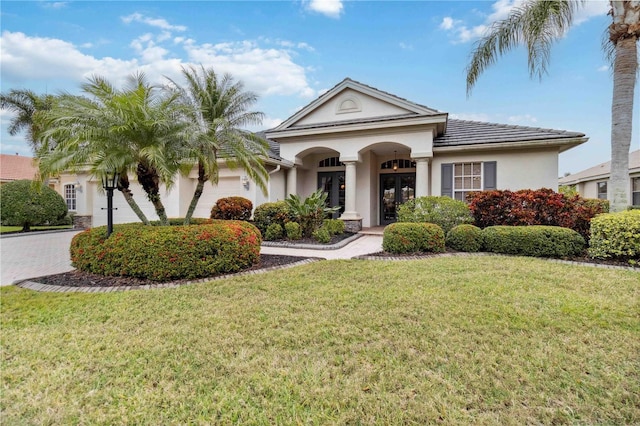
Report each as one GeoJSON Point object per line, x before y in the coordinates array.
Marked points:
{"type": "Point", "coordinates": [16, 167]}
{"type": "Point", "coordinates": [370, 151]}
{"type": "Point", "coordinates": [593, 182]}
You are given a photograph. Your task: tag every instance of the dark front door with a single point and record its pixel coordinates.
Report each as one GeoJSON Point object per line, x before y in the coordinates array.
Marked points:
{"type": "Point", "coordinates": [395, 189]}
{"type": "Point", "coordinates": [332, 183]}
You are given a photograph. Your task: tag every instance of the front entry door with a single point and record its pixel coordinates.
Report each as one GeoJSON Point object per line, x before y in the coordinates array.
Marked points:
{"type": "Point", "coordinates": [332, 184]}
{"type": "Point", "coordinates": [395, 189]}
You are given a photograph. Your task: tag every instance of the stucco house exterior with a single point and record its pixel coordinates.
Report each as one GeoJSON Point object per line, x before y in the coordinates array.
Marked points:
{"type": "Point", "coordinates": [593, 182]}
{"type": "Point", "coordinates": [370, 151]}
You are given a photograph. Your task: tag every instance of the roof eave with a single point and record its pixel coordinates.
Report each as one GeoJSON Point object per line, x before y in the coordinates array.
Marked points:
{"type": "Point", "coordinates": [563, 144]}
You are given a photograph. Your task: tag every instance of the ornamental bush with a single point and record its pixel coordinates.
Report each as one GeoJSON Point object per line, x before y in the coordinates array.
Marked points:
{"type": "Point", "coordinates": [232, 208]}
{"type": "Point", "coordinates": [268, 213]}
{"type": "Point", "coordinates": [465, 237]}
{"type": "Point", "coordinates": [443, 211]}
{"type": "Point", "coordinates": [535, 240]}
{"type": "Point", "coordinates": [333, 226]}
{"type": "Point", "coordinates": [25, 203]}
{"type": "Point", "coordinates": [162, 253]}
{"type": "Point", "coordinates": [616, 235]}
{"type": "Point", "coordinates": [413, 238]}
{"type": "Point", "coordinates": [322, 235]}
{"type": "Point", "coordinates": [293, 230]}
{"type": "Point", "coordinates": [274, 232]}
{"type": "Point", "coordinates": [534, 207]}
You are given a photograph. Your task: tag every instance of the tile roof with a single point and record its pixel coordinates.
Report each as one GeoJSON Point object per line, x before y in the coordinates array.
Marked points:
{"type": "Point", "coordinates": [600, 170]}
{"type": "Point", "coordinates": [464, 132]}
{"type": "Point", "coordinates": [16, 167]}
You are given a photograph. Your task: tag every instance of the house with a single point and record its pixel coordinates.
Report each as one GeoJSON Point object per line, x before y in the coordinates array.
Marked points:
{"type": "Point", "coordinates": [592, 182]}
{"type": "Point", "coordinates": [370, 151]}
{"type": "Point", "coordinates": [16, 167]}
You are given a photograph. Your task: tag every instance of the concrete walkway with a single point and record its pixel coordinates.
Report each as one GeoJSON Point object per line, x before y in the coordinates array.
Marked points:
{"type": "Point", "coordinates": [37, 254]}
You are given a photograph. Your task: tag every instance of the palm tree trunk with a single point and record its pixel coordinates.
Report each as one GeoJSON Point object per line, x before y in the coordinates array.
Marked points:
{"type": "Point", "coordinates": [150, 181]}
{"type": "Point", "coordinates": [624, 35]}
{"type": "Point", "coordinates": [123, 186]}
{"type": "Point", "coordinates": [202, 178]}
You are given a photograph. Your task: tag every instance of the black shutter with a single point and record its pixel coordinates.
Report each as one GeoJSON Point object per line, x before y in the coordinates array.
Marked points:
{"type": "Point", "coordinates": [490, 179]}
{"type": "Point", "coordinates": [447, 180]}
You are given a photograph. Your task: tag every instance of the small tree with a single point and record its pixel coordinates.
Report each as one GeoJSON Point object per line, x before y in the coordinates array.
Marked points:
{"type": "Point", "coordinates": [25, 204]}
{"type": "Point", "coordinates": [311, 211]}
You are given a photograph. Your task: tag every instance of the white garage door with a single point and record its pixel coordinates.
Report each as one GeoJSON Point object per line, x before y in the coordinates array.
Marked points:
{"type": "Point", "coordinates": [226, 187]}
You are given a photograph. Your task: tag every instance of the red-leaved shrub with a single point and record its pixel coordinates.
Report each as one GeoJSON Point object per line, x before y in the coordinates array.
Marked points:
{"type": "Point", "coordinates": [534, 207]}
{"type": "Point", "coordinates": [232, 208]}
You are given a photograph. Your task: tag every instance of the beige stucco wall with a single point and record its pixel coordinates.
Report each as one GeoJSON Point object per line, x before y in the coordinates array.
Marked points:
{"type": "Point", "coordinates": [589, 189]}
{"type": "Point", "coordinates": [521, 169]}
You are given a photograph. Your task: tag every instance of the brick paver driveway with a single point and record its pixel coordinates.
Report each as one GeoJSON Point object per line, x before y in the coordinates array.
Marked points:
{"type": "Point", "coordinates": [34, 255]}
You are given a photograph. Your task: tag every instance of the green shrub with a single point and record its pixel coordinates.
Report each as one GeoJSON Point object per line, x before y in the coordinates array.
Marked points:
{"type": "Point", "coordinates": [334, 226]}
{"type": "Point", "coordinates": [322, 235]}
{"type": "Point", "coordinates": [465, 238]}
{"type": "Point", "coordinates": [268, 213]}
{"type": "Point", "coordinates": [232, 208]}
{"type": "Point", "coordinates": [293, 230]}
{"type": "Point", "coordinates": [443, 211]}
{"type": "Point", "coordinates": [534, 240]}
{"type": "Point", "coordinates": [274, 232]}
{"type": "Point", "coordinates": [179, 221]}
{"type": "Point", "coordinates": [616, 235]}
{"type": "Point", "coordinates": [25, 203]}
{"type": "Point", "coordinates": [413, 238]}
{"type": "Point", "coordinates": [162, 253]}
{"type": "Point", "coordinates": [311, 211]}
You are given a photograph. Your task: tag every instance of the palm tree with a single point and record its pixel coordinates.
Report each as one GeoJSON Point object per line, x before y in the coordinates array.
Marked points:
{"type": "Point", "coordinates": [219, 108]}
{"type": "Point", "coordinates": [135, 130]}
{"type": "Point", "coordinates": [536, 25]}
{"type": "Point", "coordinates": [25, 104]}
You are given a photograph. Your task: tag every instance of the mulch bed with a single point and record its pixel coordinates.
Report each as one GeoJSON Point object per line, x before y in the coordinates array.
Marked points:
{"type": "Point", "coordinates": [85, 279]}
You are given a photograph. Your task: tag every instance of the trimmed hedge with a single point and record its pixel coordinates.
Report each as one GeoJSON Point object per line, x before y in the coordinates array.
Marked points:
{"type": "Point", "coordinates": [273, 232]}
{"type": "Point", "coordinates": [162, 253]}
{"type": "Point", "coordinates": [616, 235]}
{"type": "Point", "coordinates": [232, 208]}
{"type": "Point", "coordinates": [321, 235]}
{"type": "Point", "coordinates": [535, 240]}
{"type": "Point", "coordinates": [443, 211]}
{"type": "Point", "coordinates": [26, 203]}
{"type": "Point", "coordinates": [534, 207]}
{"type": "Point", "coordinates": [268, 213]}
{"type": "Point", "coordinates": [413, 238]}
{"type": "Point", "coordinates": [293, 230]}
{"type": "Point", "coordinates": [466, 238]}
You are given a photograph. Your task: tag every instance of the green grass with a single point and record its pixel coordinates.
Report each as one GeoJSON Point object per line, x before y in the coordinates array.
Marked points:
{"type": "Point", "coordinates": [4, 229]}
{"type": "Point", "coordinates": [479, 340]}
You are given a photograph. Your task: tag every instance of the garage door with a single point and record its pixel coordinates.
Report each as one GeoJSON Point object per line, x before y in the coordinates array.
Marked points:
{"type": "Point", "coordinates": [226, 187]}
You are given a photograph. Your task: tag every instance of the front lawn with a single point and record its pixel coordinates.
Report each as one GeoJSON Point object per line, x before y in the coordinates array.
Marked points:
{"type": "Point", "coordinates": [477, 340]}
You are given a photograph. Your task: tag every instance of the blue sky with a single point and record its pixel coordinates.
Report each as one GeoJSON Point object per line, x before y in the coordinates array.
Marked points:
{"type": "Point", "coordinates": [289, 52]}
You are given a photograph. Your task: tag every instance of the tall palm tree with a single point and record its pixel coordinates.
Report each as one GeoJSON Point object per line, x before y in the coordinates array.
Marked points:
{"type": "Point", "coordinates": [536, 25]}
{"type": "Point", "coordinates": [25, 104]}
{"type": "Point", "coordinates": [134, 130]}
{"type": "Point", "coordinates": [219, 109]}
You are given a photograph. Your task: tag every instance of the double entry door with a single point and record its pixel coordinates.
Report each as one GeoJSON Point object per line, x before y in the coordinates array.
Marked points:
{"type": "Point", "coordinates": [332, 184]}
{"type": "Point", "coordinates": [395, 189]}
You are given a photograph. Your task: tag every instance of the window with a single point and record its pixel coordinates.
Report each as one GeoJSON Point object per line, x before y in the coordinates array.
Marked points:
{"type": "Point", "coordinates": [635, 191]}
{"type": "Point", "coordinates": [602, 190]}
{"type": "Point", "coordinates": [399, 164]}
{"type": "Point", "coordinates": [70, 196]}
{"type": "Point", "coordinates": [467, 177]}
{"type": "Point", "coordinates": [330, 162]}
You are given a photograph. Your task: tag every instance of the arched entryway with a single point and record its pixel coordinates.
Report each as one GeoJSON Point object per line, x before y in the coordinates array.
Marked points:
{"type": "Point", "coordinates": [397, 186]}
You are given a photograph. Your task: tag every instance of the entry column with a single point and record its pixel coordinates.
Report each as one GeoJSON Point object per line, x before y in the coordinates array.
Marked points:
{"type": "Point", "coordinates": [292, 181]}
{"type": "Point", "coordinates": [352, 220]}
{"type": "Point", "coordinates": [422, 177]}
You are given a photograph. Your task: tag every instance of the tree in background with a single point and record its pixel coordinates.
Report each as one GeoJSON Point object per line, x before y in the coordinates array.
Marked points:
{"type": "Point", "coordinates": [139, 129]}
{"type": "Point", "coordinates": [537, 24]}
{"type": "Point", "coordinates": [219, 108]}
{"type": "Point", "coordinates": [25, 204]}
{"type": "Point", "coordinates": [26, 105]}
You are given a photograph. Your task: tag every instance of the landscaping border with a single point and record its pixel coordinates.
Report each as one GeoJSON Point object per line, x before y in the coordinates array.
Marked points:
{"type": "Point", "coordinates": [291, 244]}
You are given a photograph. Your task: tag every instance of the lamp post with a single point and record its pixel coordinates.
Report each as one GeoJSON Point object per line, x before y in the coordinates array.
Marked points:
{"type": "Point", "coordinates": [109, 183]}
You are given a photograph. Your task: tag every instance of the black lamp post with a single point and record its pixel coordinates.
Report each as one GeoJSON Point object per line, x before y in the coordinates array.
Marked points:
{"type": "Point", "coordinates": [109, 183]}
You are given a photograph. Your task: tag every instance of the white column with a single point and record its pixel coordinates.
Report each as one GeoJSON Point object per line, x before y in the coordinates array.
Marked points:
{"type": "Point", "coordinates": [292, 181]}
{"type": "Point", "coordinates": [422, 177]}
{"type": "Point", "coordinates": [350, 212]}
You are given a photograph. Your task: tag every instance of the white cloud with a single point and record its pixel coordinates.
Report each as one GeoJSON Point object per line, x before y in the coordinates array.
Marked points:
{"type": "Point", "coordinates": [590, 9]}
{"type": "Point", "coordinates": [154, 22]}
{"type": "Point", "coordinates": [447, 23]}
{"type": "Point", "coordinates": [405, 46]}
{"type": "Point", "coordinates": [330, 8]}
{"type": "Point", "coordinates": [55, 4]}
{"type": "Point", "coordinates": [471, 116]}
{"type": "Point", "coordinates": [265, 70]}
{"type": "Point", "coordinates": [603, 68]}
{"type": "Point", "coordinates": [525, 119]}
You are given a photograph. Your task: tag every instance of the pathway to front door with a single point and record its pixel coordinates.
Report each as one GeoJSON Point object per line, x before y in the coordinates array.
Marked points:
{"type": "Point", "coordinates": [395, 189]}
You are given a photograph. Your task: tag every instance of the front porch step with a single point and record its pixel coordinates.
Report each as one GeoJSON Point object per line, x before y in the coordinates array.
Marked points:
{"type": "Point", "coordinates": [374, 230]}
